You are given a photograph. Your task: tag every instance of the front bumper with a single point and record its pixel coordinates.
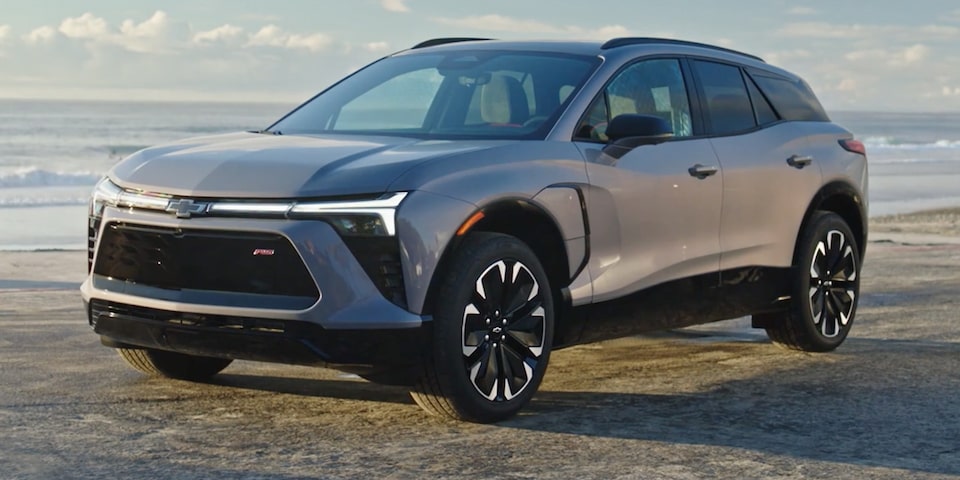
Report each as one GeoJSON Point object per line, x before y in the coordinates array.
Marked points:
{"type": "Point", "coordinates": [257, 339]}
{"type": "Point", "coordinates": [349, 321]}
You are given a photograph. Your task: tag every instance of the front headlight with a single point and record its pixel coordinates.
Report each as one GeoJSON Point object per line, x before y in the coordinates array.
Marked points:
{"type": "Point", "coordinates": [104, 194]}
{"type": "Point", "coordinates": [361, 217]}
{"type": "Point", "coordinates": [107, 194]}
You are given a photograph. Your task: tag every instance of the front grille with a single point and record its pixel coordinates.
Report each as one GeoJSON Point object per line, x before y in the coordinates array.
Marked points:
{"type": "Point", "coordinates": [180, 259]}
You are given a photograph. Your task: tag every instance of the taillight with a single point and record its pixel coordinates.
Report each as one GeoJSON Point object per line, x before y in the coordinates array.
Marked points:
{"type": "Point", "coordinates": [855, 146]}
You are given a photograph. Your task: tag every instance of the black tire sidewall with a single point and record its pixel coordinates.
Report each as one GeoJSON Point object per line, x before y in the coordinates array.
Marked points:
{"type": "Point", "coordinates": [478, 252]}
{"type": "Point", "coordinates": [819, 226]}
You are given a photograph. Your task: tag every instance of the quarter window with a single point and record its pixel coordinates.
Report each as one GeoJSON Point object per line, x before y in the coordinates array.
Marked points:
{"type": "Point", "coordinates": [793, 100]}
{"type": "Point", "coordinates": [727, 102]}
{"type": "Point", "coordinates": [650, 87]}
{"type": "Point", "coordinates": [761, 107]}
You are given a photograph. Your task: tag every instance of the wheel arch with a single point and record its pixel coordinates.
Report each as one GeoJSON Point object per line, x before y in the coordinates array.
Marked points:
{"type": "Point", "coordinates": [531, 224]}
{"type": "Point", "coordinates": [846, 201]}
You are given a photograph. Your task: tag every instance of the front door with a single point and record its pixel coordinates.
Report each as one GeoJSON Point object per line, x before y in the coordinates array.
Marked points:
{"type": "Point", "coordinates": [654, 212]}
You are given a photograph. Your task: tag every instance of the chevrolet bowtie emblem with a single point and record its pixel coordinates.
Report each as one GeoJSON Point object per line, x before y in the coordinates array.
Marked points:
{"type": "Point", "coordinates": [185, 207]}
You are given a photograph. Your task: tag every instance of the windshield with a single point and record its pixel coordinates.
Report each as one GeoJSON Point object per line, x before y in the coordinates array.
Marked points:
{"type": "Point", "coordinates": [482, 94]}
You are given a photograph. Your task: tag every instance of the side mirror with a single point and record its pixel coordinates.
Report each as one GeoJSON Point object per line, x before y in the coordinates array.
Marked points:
{"type": "Point", "coordinates": [631, 130]}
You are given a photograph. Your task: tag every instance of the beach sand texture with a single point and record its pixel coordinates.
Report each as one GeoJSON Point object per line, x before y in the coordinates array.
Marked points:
{"type": "Point", "coordinates": [716, 401]}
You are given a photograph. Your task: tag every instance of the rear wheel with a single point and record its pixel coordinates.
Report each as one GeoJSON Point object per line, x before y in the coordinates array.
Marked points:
{"type": "Point", "coordinates": [160, 363]}
{"type": "Point", "coordinates": [825, 290]}
{"type": "Point", "coordinates": [492, 331]}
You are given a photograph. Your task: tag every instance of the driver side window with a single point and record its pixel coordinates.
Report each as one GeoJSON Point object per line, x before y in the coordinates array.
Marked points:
{"type": "Point", "coordinates": [650, 87]}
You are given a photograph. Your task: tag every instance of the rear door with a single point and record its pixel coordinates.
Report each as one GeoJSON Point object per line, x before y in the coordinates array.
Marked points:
{"type": "Point", "coordinates": [769, 170]}
{"type": "Point", "coordinates": [652, 218]}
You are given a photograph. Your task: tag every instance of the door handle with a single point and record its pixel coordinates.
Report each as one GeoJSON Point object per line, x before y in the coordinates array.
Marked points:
{"type": "Point", "coordinates": [702, 171]}
{"type": "Point", "coordinates": [798, 161]}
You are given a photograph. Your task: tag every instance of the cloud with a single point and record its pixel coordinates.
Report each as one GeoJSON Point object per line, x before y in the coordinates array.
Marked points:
{"type": "Point", "coordinates": [377, 46]}
{"type": "Point", "coordinates": [847, 85]}
{"type": "Point", "coordinates": [780, 57]}
{"type": "Point", "coordinates": [498, 23]}
{"type": "Point", "coordinates": [398, 6]}
{"type": "Point", "coordinates": [802, 11]}
{"type": "Point", "coordinates": [827, 30]}
{"type": "Point", "coordinates": [896, 58]}
{"type": "Point", "coordinates": [821, 30]}
{"type": "Point", "coordinates": [86, 26]}
{"type": "Point", "coordinates": [149, 36]}
{"type": "Point", "coordinates": [915, 53]}
{"type": "Point", "coordinates": [273, 36]}
{"type": "Point", "coordinates": [39, 35]}
{"type": "Point", "coordinates": [223, 33]}
{"type": "Point", "coordinates": [947, 91]}
{"type": "Point", "coordinates": [501, 23]}
{"type": "Point", "coordinates": [151, 27]}
{"type": "Point", "coordinates": [4, 32]}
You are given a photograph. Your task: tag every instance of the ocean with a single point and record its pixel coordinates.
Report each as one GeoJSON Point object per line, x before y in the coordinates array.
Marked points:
{"type": "Point", "coordinates": [52, 153]}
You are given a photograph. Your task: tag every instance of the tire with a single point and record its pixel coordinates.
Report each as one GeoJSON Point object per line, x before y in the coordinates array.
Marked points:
{"type": "Point", "coordinates": [488, 353]}
{"type": "Point", "coordinates": [825, 290]}
{"type": "Point", "coordinates": [160, 363]}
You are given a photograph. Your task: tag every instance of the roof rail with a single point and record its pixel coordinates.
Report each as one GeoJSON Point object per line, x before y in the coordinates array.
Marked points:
{"type": "Point", "coordinates": [624, 41]}
{"type": "Point", "coordinates": [433, 42]}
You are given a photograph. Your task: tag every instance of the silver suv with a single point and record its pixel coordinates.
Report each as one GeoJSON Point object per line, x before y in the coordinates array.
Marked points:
{"type": "Point", "coordinates": [447, 216]}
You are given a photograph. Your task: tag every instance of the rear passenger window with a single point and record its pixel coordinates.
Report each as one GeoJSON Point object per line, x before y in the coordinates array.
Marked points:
{"type": "Point", "coordinates": [793, 100]}
{"type": "Point", "coordinates": [761, 106]}
{"type": "Point", "coordinates": [728, 104]}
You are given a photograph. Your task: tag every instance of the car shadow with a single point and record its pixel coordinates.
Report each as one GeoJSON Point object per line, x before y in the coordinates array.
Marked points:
{"type": "Point", "coordinates": [862, 410]}
{"type": "Point", "coordinates": [876, 403]}
{"type": "Point", "coordinates": [312, 387]}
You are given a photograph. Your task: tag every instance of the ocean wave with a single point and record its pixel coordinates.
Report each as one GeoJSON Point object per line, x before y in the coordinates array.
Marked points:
{"type": "Point", "coordinates": [893, 143]}
{"type": "Point", "coordinates": [29, 202]}
{"type": "Point", "coordinates": [118, 151]}
{"type": "Point", "coordinates": [35, 177]}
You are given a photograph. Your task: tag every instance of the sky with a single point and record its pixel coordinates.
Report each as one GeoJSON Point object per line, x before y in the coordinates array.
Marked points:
{"type": "Point", "coordinates": [878, 56]}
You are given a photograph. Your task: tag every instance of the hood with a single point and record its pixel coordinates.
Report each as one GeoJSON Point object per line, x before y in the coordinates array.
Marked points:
{"type": "Point", "coordinates": [252, 165]}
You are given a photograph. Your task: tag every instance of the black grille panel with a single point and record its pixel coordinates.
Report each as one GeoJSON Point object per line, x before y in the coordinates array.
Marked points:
{"type": "Point", "coordinates": [93, 227]}
{"type": "Point", "coordinates": [100, 308]}
{"type": "Point", "coordinates": [380, 259]}
{"type": "Point", "coordinates": [178, 259]}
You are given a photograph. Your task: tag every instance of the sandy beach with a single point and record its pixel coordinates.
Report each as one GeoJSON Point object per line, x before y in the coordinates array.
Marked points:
{"type": "Point", "coordinates": [716, 401]}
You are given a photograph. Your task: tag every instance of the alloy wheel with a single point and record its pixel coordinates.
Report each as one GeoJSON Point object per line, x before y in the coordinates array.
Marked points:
{"type": "Point", "coordinates": [833, 284]}
{"type": "Point", "coordinates": [503, 330]}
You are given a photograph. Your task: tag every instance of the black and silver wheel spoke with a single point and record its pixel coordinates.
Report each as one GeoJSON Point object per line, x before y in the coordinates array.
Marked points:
{"type": "Point", "coordinates": [503, 330]}
{"type": "Point", "coordinates": [833, 283]}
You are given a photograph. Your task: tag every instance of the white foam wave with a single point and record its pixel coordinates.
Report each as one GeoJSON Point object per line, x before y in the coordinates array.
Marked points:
{"type": "Point", "coordinates": [35, 177]}
{"type": "Point", "coordinates": [892, 143]}
{"type": "Point", "coordinates": [52, 201]}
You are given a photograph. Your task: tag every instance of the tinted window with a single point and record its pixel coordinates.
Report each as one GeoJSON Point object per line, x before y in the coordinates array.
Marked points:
{"type": "Point", "coordinates": [727, 103]}
{"type": "Point", "coordinates": [761, 107]}
{"type": "Point", "coordinates": [651, 87]}
{"type": "Point", "coordinates": [483, 94]}
{"type": "Point", "coordinates": [793, 100]}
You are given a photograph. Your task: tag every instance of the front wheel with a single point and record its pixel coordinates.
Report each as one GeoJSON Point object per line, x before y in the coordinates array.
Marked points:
{"type": "Point", "coordinates": [825, 290]}
{"type": "Point", "coordinates": [160, 363]}
{"type": "Point", "coordinates": [492, 331]}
